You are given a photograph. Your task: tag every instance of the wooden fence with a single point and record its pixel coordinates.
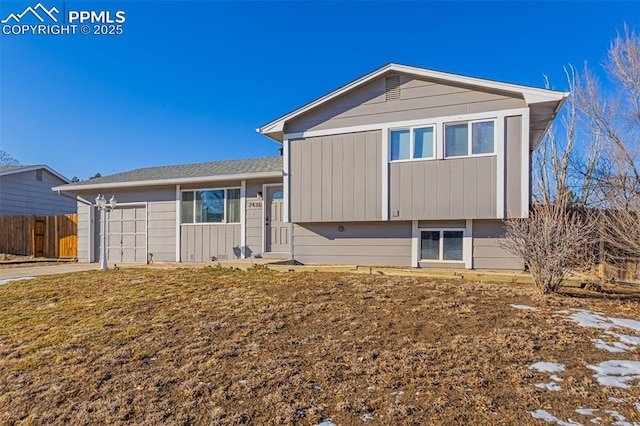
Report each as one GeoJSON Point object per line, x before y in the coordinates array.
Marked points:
{"type": "Point", "coordinates": [40, 236]}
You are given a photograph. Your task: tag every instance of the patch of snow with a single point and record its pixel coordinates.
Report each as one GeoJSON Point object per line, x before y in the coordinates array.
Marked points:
{"type": "Point", "coordinates": [612, 399]}
{"type": "Point", "coordinates": [547, 367]}
{"type": "Point", "coordinates": [366, 417]}
{"type": "Point", "coordinates": [552, 386]}
{"type": "Point", "coordinates": [317, 388]}
{"type": "Point", "coordinates": [371, 388]}
{"type": "Point", "coordinates": [625, 338]}
{"type": "Point", "coordinates": [325, 422]}
{"type": "Point", "coordinates": [550, 418]}
{"type": "Point", "coordinates": [524, 307]}
{"type": "Point", "coordinates": [555, 378]}
{"type": "Point", "coordinates": [616, 373]}
{"type": "Point", "coordinates": [397, 393]}
{"type": "Point", "coordinates": [620, 419]}
{"type": "Point", "coordinates": [614, 347]}
{"type": "Point", "coordinates": [637, 405]}
{"type": "Point", "coordinates": [8, 280]}
{"type": "Point", "coordinates": [586, 411]}
{"type": "Point", "coordinates": [596, 420]}
{"type": "Point", "coordinates": [626, 323]}
{"type": "Point", "coordinates": [242, 382]}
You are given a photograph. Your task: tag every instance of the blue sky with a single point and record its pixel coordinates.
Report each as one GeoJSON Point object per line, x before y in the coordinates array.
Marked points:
{"type": "Point", "coordinates": [191, 81]}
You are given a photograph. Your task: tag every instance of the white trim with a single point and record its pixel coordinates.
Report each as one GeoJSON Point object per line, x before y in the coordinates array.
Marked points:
{"type": "Point", "coordinates": [530, 94]}
{"type": "Point", "coordinates": [22, 169]}
{"type": "Point", "coordinates": [146, 233]}
{"type": "Point", "coordinates": [415, 244]}
{"type": "Point", "coordinates": [406, 123]}
{"type": "Point", "coordinates": [286, 181]}
{"type": "Point", "coordinates": [178, 220]}
{"type": "Point", "coordinates": [92, 214]}
{"type": "Point", "coordinates": [525, 165]}
{"type": "Point", "coordinates": [243, 219]}
{"type": "Point", "coordinates": [385, 175]}
{"type": "Point", "coordinates": [467, 244]}
{"type": "Point", "coordinates": [500, 141]}
{"type": "Point", "coordinates": [165, 182]}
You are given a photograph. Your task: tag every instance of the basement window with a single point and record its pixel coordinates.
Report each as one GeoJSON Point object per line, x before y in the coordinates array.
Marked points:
{"type": "Point", "coordinates": [211, 206]}
{"type": "Point", "coordinates": [441, 244]}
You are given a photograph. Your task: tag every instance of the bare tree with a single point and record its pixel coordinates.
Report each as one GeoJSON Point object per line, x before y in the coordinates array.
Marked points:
{"type": "Point", "coordinates": [7, 160]}
{"type": "Point", "coordinates": [613, 116]}
{"type": "Point", "coordinates": [548, 242]}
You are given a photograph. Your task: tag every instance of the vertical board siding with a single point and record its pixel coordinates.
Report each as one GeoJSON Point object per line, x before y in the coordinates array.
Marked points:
{"type": "Point", "coordinates": [443, 189]}
{"type": "Point", "coordinates": [42, 236]}
{"type": "Point", "coordinates": [419, 98]}
{"type": "Point", "coordinates": [487, 252]}
{"type": "Point", "coordinates": [360, 243]}
{"type": "Point", "coordinates": [513, 168]}
{"type": "Point", "coordinates": [336, 178]}
{"type": "Point", "coordinates": [22, 194]}
{"type": "Point", "coordinates": [201, 242]}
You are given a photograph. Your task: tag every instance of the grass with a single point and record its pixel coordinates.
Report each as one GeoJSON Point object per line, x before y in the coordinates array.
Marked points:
{"type": "Point", "coordinates": [220, 346]}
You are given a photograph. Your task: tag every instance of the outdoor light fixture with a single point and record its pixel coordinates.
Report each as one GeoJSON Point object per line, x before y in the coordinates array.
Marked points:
{"type": "Point", "coordinates": [101, 203]}
{"type": "Point", "coordinates": [260, 195]}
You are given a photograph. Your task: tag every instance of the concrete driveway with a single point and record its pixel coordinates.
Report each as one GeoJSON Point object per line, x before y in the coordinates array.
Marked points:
{"type": "Point", "coordinates": [34, 271]}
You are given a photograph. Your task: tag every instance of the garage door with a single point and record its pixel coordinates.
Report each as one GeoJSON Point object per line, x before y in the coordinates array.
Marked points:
{"type": "Point", "coordinates": [127, 235]}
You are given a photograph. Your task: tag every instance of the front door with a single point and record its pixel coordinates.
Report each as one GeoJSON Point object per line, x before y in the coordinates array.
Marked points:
{"type": "Point", "coordinates": [276, 231]}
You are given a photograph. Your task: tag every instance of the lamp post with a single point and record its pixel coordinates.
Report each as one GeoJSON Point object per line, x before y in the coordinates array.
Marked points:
{"type": "Point", "coordinates": [101, 202]}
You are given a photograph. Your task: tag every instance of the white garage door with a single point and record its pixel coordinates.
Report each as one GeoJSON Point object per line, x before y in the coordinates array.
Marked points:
{"type": "Point", "coordinates": [127, 235]}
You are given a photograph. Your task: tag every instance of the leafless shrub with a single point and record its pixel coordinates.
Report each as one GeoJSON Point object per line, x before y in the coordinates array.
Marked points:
{"type": "Point", "coordinates": [548, 241]}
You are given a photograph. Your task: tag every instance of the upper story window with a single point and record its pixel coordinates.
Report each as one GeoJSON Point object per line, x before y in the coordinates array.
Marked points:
{"type": "Point", "coordinates": [412, 143]}
{"type": "Point", "coordinates": [211, 206]}
{"type": "Point", "coordinates": [471, 138]}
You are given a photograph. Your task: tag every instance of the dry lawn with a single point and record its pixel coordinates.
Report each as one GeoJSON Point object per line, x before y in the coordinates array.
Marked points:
{"type": "Point", "coordinates": [219, 346]}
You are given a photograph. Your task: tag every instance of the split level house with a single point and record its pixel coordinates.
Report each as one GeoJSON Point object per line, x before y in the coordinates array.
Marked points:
{"type": "Point", "coordinates": [404, 166]}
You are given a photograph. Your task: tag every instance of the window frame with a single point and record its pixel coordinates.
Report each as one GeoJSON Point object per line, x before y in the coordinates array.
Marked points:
{"type": "Point", "coordinates": [469, 124]}
{"type": "Point", "coordinates": [441, 244]}
{"type": "Point", "coordinates": [225, 202]}
{"type": "Point", "coordinates": [411, 129]}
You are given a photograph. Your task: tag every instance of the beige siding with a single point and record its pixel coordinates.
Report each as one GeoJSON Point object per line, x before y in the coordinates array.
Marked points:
{"type": "Point", "coordinates": [487, 253]}
{"type": "Point", "coordinates": [419, 98]}
{"type": "Point", "coordinates": [336, 178]}
{"type": "Point", "coordinates": [200, 242]}
{"type": "Point", "coordinates": [23, 194]}
{"type": "Point", "coordinates": [513, 168]}
{"type": "Point", "coordinates": [463, 188]}
{"type": "Point", "coordinates": [359, 243]}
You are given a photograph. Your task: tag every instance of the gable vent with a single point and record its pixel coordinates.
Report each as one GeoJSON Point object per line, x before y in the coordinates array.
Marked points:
{"type": "Point", "coordinates": [392, 87]}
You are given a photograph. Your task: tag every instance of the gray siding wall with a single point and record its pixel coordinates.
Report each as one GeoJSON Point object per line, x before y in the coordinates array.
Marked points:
{"type": "Point", "coordinates": [463, 188]}
{"type": "Point", "coordinates": [84, 218]}
{"type": "Point", "coordinates": [513, 167]}
{"type": "Point", "coordinates": [336, 178]}
{"type": "Point", "coordinates": [419, 98]}
{"type": "Point", "coordinates": [487, 253]}
{"type": "Point", "coordinates": [22, 194]}
{"type": "Point", "coordinates": [360, 243]}
{"type": "Point", "coordinates": [202, 241]}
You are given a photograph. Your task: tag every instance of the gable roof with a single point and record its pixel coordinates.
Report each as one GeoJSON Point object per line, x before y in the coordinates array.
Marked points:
{"type": "Point", "coordinates": [184, 173]}
{"type": "Point", "coordinates": [10, 170]}
{"type": "Point", "coordinates": [531, 95]}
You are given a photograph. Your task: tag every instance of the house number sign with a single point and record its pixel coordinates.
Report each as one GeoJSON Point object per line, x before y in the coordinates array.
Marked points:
{"type": "Point", "coordinates": [254, 204]}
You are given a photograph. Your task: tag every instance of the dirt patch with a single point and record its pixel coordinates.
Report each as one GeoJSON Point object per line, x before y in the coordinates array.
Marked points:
{"type": "Point", "coordinates": [219, 346]}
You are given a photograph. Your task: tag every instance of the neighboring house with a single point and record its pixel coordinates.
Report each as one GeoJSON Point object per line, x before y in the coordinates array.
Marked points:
{"type": "Point", "coordinates": [403, 166]}
{"type": "Point", "coordinates": [26, 190]}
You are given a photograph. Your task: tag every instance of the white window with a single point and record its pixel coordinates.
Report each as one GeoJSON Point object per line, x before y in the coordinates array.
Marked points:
{"type": "Point", "coordinates": [471, 138]}
{"type": "Point", "coordinates": [412, 143]}
{"type": "Point", "coordinates": [211, 206]}
{"type": "Point", "coordinates": [441, 244]}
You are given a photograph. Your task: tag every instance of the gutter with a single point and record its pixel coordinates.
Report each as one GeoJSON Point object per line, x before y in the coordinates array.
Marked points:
{"type": "Point", "coordinates": [168, 182]}
{"type": "Point", "coordinates": [73, 197]}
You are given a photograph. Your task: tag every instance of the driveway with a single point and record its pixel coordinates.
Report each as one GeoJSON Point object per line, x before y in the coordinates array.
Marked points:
{"type": "Point", "coordinates": [34, 271]}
